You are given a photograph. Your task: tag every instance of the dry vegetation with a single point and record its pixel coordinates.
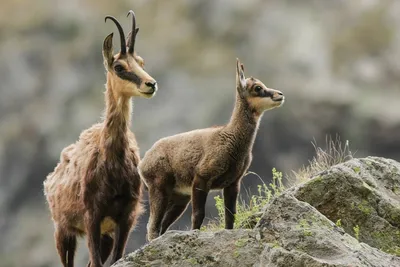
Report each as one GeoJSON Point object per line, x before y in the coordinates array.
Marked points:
{"type": "Point", "coordinates": [249, 212]}
{"type": "Point", "coordinates": [335, 152]}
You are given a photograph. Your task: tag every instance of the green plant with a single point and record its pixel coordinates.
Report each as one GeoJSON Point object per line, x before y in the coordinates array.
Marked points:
{"type": "Point", "coordinates": [356, 230]}
{"type": "Point", "coordinates": [339, 223]}
{"type": "Point", "coordinates": [245, 211]}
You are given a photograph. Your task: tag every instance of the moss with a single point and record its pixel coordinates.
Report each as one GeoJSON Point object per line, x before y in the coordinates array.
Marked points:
{"type": "Point", "coordinates": [192, 261]}
{"type": "Point", "coordinates": [316, 179]}
{"type": "Point", "coordinates": [241, 242]}
{"type": "Point", "coordinates": [275, 244]}
{"type": "Point", "coordinates": [305, 226]}
{"type": "Point", "coordinates": [365, 207]}
{"type": "Point", "coordinates": [356, 169]}
{"type": "Point", "coordinates": [388, 241]}
{"type": "Point", "coordinates": [394, 250]}
{"type": "Point", "coordinates": [236, 254]}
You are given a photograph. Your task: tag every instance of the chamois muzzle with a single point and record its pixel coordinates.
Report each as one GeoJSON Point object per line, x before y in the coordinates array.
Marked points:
{"type": "Point", "coordinates": [152, 85]}
{"type": "Point", "coordinates": [151, 88]}
{"type": "Point", "coordinates": [278, 96]}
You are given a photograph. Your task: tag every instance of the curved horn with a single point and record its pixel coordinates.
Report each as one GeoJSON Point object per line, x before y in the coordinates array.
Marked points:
{"type": "Point", "coordinates": [121, 33]}
{"type": "Point", "coordinates": [133, 32]}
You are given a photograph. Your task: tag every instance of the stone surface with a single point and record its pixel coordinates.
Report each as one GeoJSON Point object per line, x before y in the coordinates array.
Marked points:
{"type": "Point", "coordinates": [361, 193]}
{"type": "Point", "coordinates": [292, 232]}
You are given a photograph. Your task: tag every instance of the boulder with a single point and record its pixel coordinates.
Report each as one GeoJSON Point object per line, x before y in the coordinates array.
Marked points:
{"type": "Point", "coordinates": [297, 228]}
{"type": "Point", "coordinates": [363, 195]}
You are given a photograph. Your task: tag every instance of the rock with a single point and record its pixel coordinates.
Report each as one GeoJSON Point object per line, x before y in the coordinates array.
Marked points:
{"type": "Point", "coordinates": [363, 194]}
{"type": "Point", "coordinates": [305, 237]}
{"type": "Point", "coordinates": [292, 232]}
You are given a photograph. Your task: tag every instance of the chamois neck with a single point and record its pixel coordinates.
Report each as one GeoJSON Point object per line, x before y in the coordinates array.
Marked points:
{"type": "Point", "coordinates": [243, 115]}
{"type": "Point", "coordinates": [244, 122]}
{"type": "Point", "coordinates": [117, 120]}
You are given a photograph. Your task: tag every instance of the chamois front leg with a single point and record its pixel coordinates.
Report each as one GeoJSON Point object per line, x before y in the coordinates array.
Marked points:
{"type": "Point", "coordinates": [92, 223]}
{"type": "Point", "coordinates": [200, 191]}
{"type": "Point", "coordinates": [230, 198]}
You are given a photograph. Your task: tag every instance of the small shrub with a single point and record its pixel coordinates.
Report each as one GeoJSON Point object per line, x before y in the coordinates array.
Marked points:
{"type": "Point", "coordinates": [245, 211]}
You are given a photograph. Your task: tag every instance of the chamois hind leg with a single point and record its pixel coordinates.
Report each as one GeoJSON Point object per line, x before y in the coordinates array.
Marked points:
{"type": "Point", "coordinates": [230, 198]}
{"type": "Point", "coordinates": [66, 246]}
{"type": "Point", "coordinates": [176, 206]}
{"type": "Point", "coordinates": [158, 198]}
{"type": "Point", "coordinates": [122, 231]}
{"type": "Point", "coordinates": [106, 246]}
{"type": "Point", "coordinates": [92, 224]}
{"type": "Point", "coordinates": [200, 191]}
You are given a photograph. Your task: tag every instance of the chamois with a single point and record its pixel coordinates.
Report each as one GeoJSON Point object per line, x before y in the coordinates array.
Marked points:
{"type": "Point", "coordinates": [95, 189]}
{"type": "Point", "coordinates": [187, 166]}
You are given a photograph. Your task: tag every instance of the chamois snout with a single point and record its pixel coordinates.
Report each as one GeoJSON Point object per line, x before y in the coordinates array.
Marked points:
{"type": "Point", "coordinates": [278, 96]}
{"type": "Point", "coordinates": [150, 87]}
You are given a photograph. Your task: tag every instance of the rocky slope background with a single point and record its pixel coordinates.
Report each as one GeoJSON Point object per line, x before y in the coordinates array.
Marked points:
{"type": "Point", "coordinates": [336, 61]}
{"type": "Point", "coordinates": [348, 215]}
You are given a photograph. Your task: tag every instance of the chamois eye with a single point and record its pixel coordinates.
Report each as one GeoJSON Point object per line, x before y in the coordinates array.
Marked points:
{"type": "Point", "coordinates": [257, 89]}
{"type": "Point", "coordinates": [118, 68]}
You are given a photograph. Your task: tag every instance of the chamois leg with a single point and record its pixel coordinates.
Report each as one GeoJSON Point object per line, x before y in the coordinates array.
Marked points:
{"type": "Point", "coordinates": [105, 248]}
{"type": "Point", "coordinates": [158, 203]}
{"type": "Point", "coordinates": [176, 206]}
{"type": "Point", "coordinates": [92, 224]}
{"type": "Point", "coordinates": [199, 196]}
{"type": "Point", "coordinates": [121, 236]}
{"type": "Point", "coordinates": [66, 245]}
{"type": "Point", "coordinates": [230, 198]}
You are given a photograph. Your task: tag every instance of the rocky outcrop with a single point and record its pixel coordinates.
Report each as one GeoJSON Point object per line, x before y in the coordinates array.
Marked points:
{"type": "Point", "coordinates": [363, 195]}
{"type": "Point", "coordinates": [298, 227]}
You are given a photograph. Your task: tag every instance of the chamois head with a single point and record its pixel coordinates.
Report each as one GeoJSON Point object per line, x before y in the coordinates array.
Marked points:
{"type": "Point", "coordinates": [126, 68]}
{"type": "Point", "coordinates": [259, 97]}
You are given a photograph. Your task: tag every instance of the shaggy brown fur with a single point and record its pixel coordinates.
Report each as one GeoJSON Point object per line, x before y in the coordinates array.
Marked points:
{"type": "Point", "coordinates": [187, 166]}
{"type": "Point", "coordinates": [96, 189]}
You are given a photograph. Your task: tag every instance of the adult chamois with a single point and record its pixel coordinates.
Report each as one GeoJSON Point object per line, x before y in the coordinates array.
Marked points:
{"type": "Point", "coordinates": [95, 189]}
{"type": "Point", "coordinates": [187, 166]}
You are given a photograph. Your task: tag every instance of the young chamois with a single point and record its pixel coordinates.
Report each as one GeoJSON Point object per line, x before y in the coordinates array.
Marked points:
{"type": "Point", "coordinates": [187, 166]}
{"type": "Point", "coordinates": [95, 188]}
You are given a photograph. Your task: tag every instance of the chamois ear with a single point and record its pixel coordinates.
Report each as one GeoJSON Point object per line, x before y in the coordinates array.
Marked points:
{"type": "Point", "coordinates": [240, 79]}
{"type": "Point", "coordinates": [128, 39]}
{"type": "Point", "coordinates": [108, 51]}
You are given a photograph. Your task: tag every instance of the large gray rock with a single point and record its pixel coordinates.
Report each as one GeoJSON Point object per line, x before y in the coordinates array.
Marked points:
{"type": "Point", "coordinates": [291, 232]}
{"type": "Point", "coordinates": [363, 193]}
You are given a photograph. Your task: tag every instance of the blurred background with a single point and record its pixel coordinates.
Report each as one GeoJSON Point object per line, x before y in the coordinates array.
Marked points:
{"type": "Point", "coordinates": [337, 62]}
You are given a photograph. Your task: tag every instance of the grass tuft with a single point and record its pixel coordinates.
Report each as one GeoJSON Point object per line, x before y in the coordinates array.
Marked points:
{"type": "Point", "coordinates": [334, 153]}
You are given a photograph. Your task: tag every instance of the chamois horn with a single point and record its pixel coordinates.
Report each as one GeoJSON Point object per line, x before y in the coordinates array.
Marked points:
{"type": "Point", "coordinates": [121, 33]}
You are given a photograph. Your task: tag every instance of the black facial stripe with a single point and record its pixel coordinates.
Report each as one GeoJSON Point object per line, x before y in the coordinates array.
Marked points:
{"type": "Point", "coordinates": [130, 76]}
{"type": "Point", "coordinates": [265, 93]}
